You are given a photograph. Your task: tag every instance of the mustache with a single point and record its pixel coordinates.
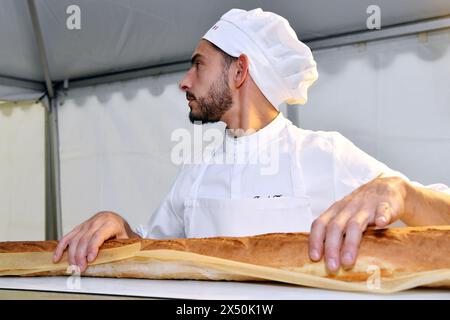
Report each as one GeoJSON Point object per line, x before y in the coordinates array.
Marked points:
{"type": "Point", "coordinates": [189, 96]}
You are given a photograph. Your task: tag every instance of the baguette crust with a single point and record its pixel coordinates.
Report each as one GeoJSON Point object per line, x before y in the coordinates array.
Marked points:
{"type": "Point", "coordinates": [395, 252]}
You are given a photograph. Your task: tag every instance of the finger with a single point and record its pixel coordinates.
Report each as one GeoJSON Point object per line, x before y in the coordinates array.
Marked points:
{"type": "Point", "coordinates": [62, 244]}
{"type": "Point", "coordinates": [334, 235]}
{"type": "Point", "coordinates": [81, 252]}
{"type": "Point", "coordinates": [383, 215]}
{"type": "Point", "coordinates": [318, 231]}
{"type": "Point", "coordinates": [71, 252]}
{"type": "Point", "coordinates": [353, 234]}
{"type": "Point", "coordinates": [97, 239]}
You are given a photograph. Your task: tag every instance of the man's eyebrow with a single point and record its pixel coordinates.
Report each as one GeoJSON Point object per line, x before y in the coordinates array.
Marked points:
{"type": "Point", "coordinates": [195, 58]}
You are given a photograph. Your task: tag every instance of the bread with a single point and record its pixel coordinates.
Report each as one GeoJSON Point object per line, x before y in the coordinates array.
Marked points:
{"type": "Point", "coordinates": [403, 258]}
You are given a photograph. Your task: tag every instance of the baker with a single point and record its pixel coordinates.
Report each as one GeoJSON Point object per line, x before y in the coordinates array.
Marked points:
{"type": "Point", "coordinates": [243, 69]}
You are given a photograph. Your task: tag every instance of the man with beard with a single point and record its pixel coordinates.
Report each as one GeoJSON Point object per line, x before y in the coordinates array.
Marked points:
{"type": "Point", "coordinates": [243, 68]}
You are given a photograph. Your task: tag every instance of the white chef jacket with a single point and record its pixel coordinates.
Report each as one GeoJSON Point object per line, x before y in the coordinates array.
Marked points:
{"type": "Point", "coordinates": [278, 179]}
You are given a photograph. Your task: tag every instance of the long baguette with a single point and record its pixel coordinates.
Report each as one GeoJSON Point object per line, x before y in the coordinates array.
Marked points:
{"type": "Point", "coordinates": [403, 258]}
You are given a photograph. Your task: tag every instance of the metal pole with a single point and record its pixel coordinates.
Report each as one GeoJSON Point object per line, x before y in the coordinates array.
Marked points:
{"type": "Point", "coordinates": [41, 46]}
{"type": "Point", "coordinates": [21, 83]}
{"type": "Point", "coordinates": [383, 33]}
{"type": "Point", "coordinates": [129, 74]}
{"type": "Point", "coordinates": [53, 217]}
{"type": "Point", "coordinates": [53, 222]}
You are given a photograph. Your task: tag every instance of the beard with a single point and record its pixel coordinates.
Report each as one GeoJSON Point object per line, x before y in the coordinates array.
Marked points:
{"type": "Point", "coordinates": [217, 101]}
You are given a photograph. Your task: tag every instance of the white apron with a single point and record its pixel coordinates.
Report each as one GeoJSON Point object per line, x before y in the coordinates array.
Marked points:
{"type": "Point", "coordinates": [210, 217]}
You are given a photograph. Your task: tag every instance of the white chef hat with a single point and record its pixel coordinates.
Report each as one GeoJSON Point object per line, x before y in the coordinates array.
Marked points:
{"type": "Point", "coordinates": [282, 66]}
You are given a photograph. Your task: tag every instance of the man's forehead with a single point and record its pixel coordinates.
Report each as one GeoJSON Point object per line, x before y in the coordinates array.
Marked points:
{"type": "Point", "coordinates": [204, 50]}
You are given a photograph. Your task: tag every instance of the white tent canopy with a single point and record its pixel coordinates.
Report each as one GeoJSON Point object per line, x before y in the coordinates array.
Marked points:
{"type": "Point", "coordinates": [123, 35]}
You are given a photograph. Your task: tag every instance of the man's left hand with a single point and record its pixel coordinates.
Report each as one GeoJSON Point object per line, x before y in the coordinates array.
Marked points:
{"type": "Point", "coordinates": [379, 202]}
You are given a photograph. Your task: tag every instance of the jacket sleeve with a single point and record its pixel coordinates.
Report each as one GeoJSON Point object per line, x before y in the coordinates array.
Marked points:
{"type": "Point", "coordinates": [354, 167]}
{"type": "Point", "coordinates": [167, 221]}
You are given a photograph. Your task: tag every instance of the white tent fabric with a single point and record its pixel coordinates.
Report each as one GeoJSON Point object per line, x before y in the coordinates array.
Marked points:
{"type": "Point", "coordinates": [118, 35]}
{"type": "Point", "coordinates": [22, 174]}
{"type": "Point", "coordinates": [390, 98]}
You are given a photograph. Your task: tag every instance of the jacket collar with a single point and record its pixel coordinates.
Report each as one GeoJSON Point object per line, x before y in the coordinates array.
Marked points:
{"type": "Point", "coordinates": [256, 139]}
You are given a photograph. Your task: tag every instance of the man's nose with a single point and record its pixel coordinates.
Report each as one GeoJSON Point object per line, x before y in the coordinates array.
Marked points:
{"type": "Point", "coordinates": [185, 83]}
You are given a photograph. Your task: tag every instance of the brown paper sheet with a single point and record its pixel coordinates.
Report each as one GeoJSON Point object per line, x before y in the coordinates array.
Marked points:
{"type": "Point", "coordinates": [28, 262]}
{"type": "Point", "coordinates": [387, 285]}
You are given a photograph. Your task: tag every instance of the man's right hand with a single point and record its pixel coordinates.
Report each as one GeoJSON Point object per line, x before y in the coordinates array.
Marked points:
{"type": "Point", "coordinates": [85, 240]}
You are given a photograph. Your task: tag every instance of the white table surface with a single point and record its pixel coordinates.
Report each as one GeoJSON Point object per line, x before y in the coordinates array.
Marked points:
{"type": "Point", "coordinates": [211, 290]}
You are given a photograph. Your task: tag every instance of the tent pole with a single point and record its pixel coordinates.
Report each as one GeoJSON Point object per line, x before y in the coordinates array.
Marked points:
{"type": "Point", "coordinates": [129, 74]}
{"type": "Point", "coordinates": [41, 46]}
{"type": "Point", "coordinates": [53, 218]}
{"type": "Point", "coordinates": [21, 83]}
{"type": "Point", "coordinates": [384, 33]}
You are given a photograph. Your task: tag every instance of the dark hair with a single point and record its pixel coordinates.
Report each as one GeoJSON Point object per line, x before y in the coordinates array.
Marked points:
{"type": "Point", "coordinates": [227, 59]}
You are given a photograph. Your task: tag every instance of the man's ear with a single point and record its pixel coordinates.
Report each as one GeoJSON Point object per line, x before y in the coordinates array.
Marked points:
{"type": "Point", "coordinates": [241, 72]}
